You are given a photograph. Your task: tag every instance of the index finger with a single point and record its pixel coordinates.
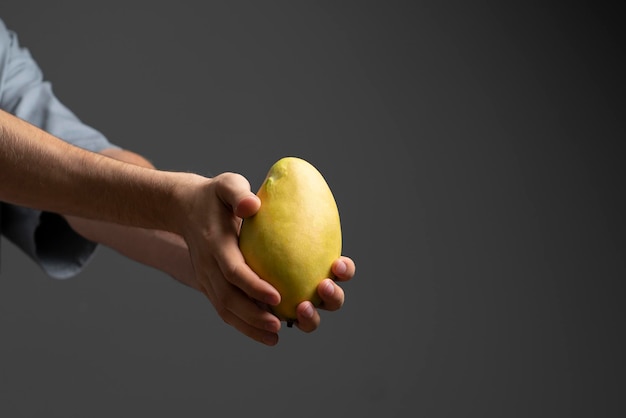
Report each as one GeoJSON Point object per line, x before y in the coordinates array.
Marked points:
{"type": "Point", "coordinates": [234, 268]}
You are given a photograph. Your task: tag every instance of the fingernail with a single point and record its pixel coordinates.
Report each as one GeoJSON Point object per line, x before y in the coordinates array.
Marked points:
{"type": "Point", "coordinates": [308, 311]}
{"type": "Point", "coordinates": [341, 268]}
{"type": "Point", "coordinates": [328, 289]}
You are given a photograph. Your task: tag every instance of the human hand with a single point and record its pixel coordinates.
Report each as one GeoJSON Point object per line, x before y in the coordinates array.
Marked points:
{"type": "Point", "coordinates": [330, 292]}
{"type": "Point", "coordinates": [215, 210]}
{"type": "Point", "coordinates": [240, 297]}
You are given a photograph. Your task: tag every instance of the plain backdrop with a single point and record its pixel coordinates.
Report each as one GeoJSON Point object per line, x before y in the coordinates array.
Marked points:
{"type": "Point", "coordinates": [476, 154]}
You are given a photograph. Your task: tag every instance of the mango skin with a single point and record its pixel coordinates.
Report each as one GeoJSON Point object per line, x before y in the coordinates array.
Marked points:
{"type": "Point", "coordinates": [294, 238]}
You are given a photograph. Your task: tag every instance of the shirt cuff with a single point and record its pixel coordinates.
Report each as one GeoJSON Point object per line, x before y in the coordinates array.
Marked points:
{"type": "Point", "coordinates": [48, 240]}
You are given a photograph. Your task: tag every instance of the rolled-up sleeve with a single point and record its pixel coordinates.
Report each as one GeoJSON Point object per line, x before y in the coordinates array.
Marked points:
{"type": "Point", "coordinates": [45, 237]}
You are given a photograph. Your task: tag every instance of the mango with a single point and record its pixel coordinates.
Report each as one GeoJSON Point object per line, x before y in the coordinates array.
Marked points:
{"type": "Point", "coordinates": [292, 241]}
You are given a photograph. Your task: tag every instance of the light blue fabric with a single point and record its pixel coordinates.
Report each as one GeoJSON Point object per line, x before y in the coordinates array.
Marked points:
{"type": "Point", "coordinates": [45, 237]}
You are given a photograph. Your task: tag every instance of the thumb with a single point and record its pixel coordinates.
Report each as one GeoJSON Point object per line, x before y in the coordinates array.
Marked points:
{"type": "Point", "coordinates": [247, 206]}
{"type": "Point", "coordinates": [234, 191]}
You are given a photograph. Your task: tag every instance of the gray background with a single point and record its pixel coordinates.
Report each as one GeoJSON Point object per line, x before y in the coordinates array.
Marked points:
{"type": "Point", "coordinates": [475, 151]}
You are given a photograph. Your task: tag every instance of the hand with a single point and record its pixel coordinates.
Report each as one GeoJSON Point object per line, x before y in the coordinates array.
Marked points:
{"type": "Point", "coordinates": [332, 295]}
{"type": "Point", "coordinates": [239, 295]}
{"type": "Point", "coordinates": [215, 210]}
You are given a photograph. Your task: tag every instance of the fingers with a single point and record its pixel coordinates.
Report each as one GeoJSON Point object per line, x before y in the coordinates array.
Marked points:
{"type": "Point", "coordinates": [308, 318]}
{"type": "Point", "coordinates": [331, 294]}
{"type": "Point", "coordinates": [332, 299]}
{"type": "Point", "coordinates": [238, 293]}
{"type": "Point", "coordinates": [235, 270]}
{"type": "Point", "coordinates": [234, 191]}
{"type": "Point", "coordinates": [241, 312]}
{"type": "Point", "coordinates": [247, 317]}
{"type": "Point", "coordinates": [247, 206]}
{"type": "Point", "coordinates": [259, 335]}
{"type": "Point", "coordinates": [343, 269]}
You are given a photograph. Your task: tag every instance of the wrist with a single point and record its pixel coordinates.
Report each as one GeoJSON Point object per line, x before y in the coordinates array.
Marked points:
{"type": "Point", "coordinates": [187, 194]}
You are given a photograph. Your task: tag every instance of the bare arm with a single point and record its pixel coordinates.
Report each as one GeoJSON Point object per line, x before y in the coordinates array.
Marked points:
{"type": "Point", "coordinates": [168, 252]}
{"type": "Point", "coordinates": [41, 171]}
{"type": "Point", "coordinates": [162, 250]}
{"type": "Point", "coordinates": [181, 223]}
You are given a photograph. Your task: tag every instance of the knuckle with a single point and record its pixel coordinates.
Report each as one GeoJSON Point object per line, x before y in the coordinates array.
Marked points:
{"type": "Point", "coordinates": [231, 272]}
{"type": "Point", "coordinates": [229, 177]}
{"type": "Point", "coordinates": [223, 175]}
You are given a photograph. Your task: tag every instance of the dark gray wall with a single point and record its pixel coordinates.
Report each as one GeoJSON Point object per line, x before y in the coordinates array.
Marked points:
{"type": "Point", "coordinates": [476, 154]}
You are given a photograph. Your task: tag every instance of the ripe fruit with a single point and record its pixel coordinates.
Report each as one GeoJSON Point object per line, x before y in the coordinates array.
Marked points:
{"type": "Point", "coordinates": [292, 241]}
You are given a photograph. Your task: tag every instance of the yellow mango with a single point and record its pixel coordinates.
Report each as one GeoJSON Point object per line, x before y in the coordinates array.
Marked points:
{"type": "Point", "coordinates": [292, 241]}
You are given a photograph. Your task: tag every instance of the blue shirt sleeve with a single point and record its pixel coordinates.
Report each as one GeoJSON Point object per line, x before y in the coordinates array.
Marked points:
{"type": "Point", "coordinates": [25, 94]}
{"type": "Point", "coordinates": [45, 237]}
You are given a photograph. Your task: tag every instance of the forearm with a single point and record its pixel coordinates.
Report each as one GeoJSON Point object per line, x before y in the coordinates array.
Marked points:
{"type": "Point", "coordinates": [44, 172]}
{"type": "Point", "coordinates": [161, 250]}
